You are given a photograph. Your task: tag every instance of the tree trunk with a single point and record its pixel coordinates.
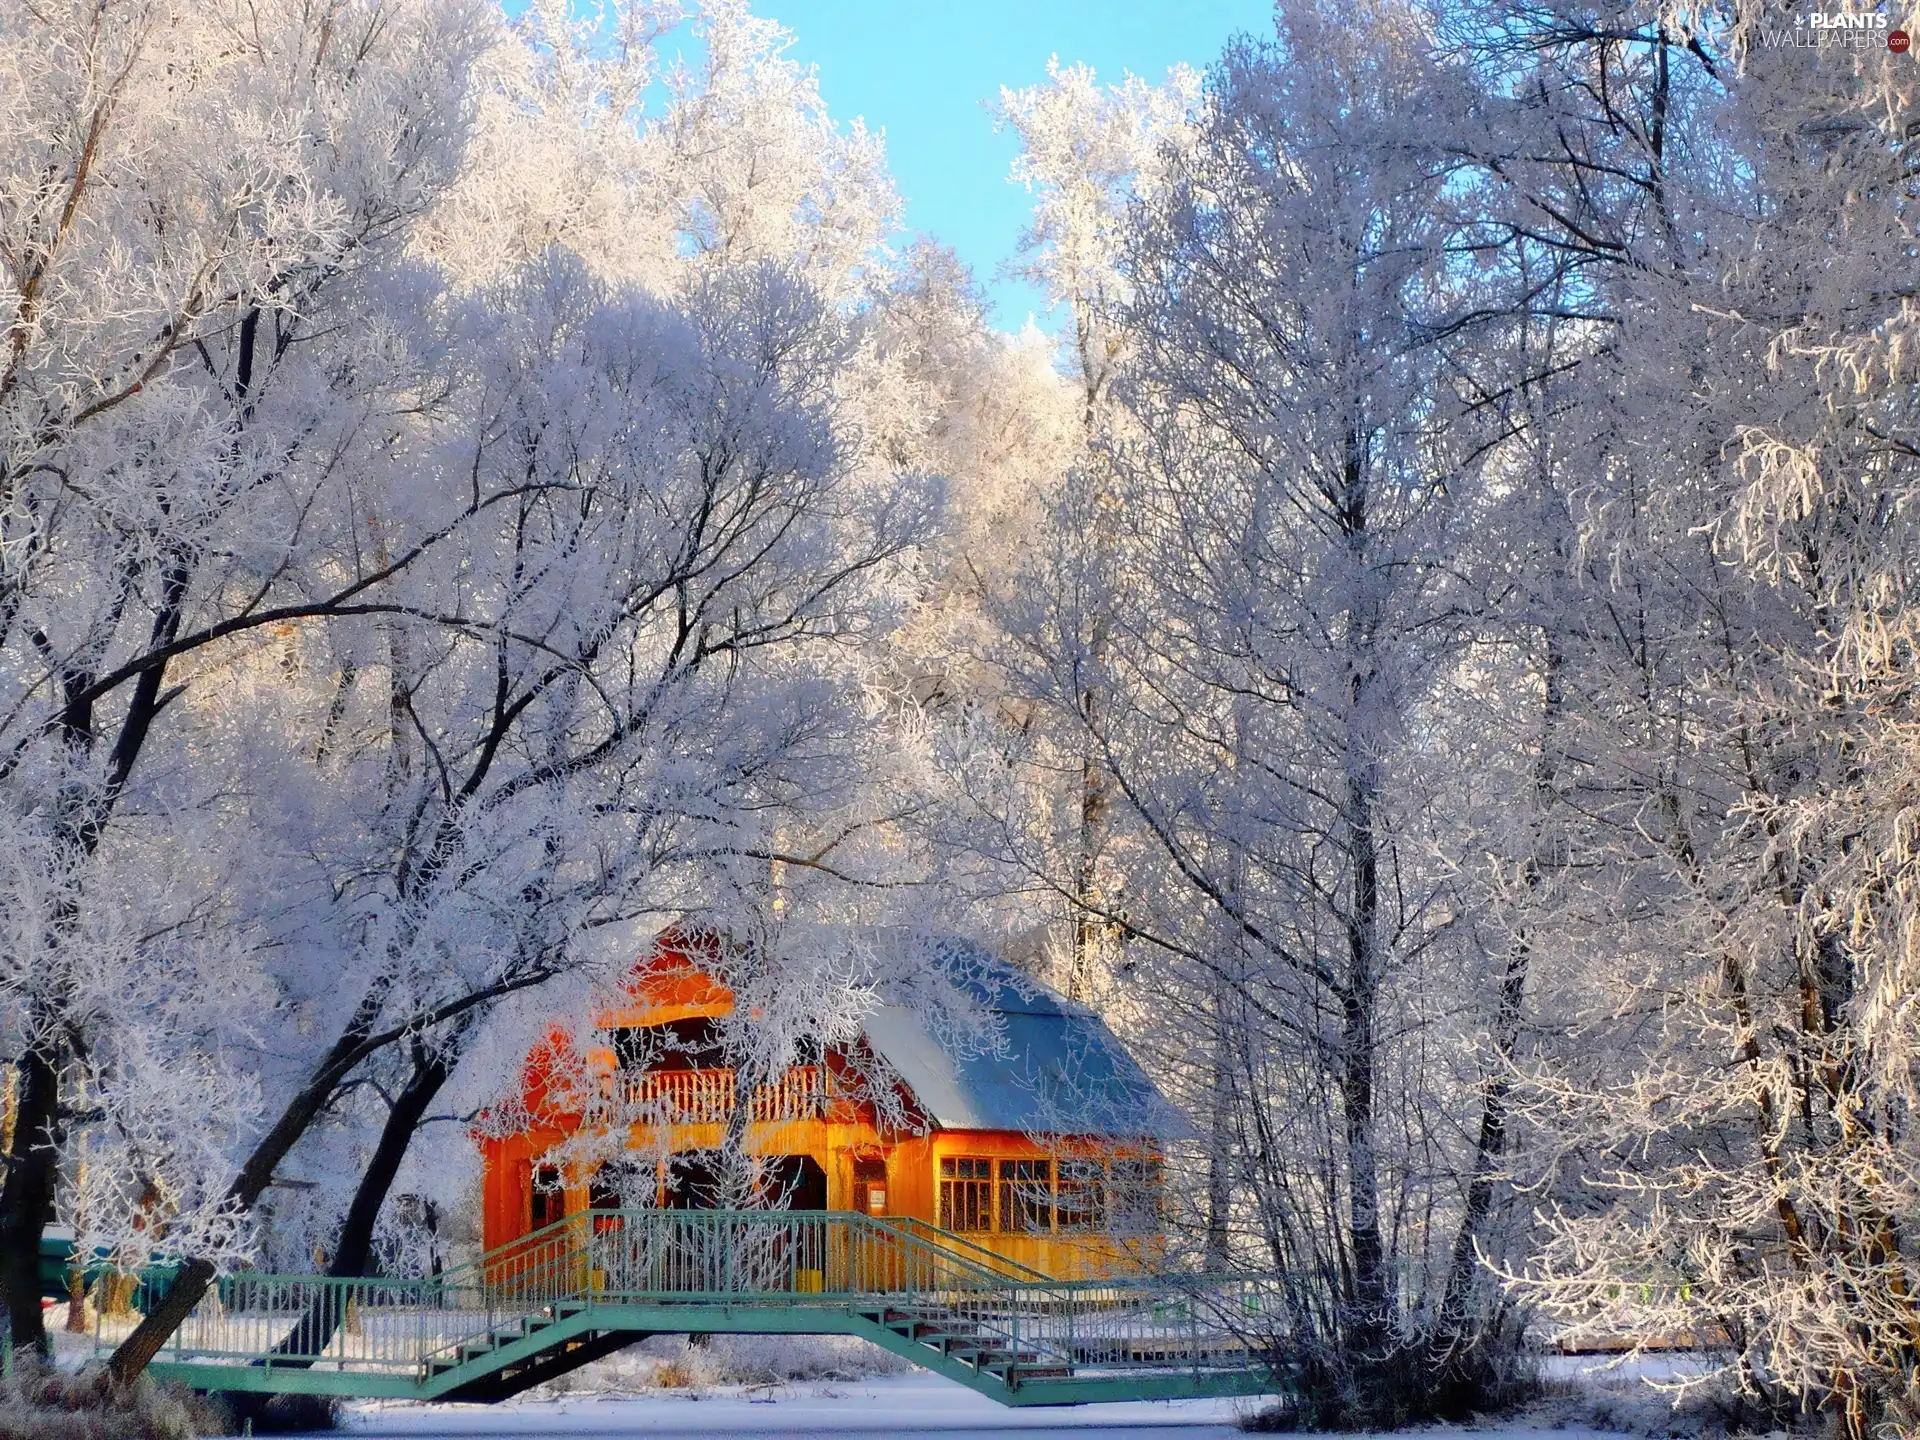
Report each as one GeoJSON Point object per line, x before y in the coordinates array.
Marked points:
{"type": "Point", "coordinates": [26, 1200]}
{"type": "Point", "coordinates": [353, 1248]}
{"type": "Point", "coordinates": [1454, 1327]}
{"type": "Point", "coordinates": [1369, 1308]}
{"type": "Point", "coordinates": [1091, 927]}
{"type": "Point", "coordinates": [76, 1301]}
{"type": "Point", "coordinates": [1369, 1320]}
{"type": "Point", "coordinates": [1369, 1315]}
{"type": "Point", "coordinates": [1220, 1141]}
{"type": "Point", "coordinates": [1455, 1320]}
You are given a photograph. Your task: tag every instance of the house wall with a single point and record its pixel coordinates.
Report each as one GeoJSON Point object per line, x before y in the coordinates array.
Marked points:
{"type": "Point", "coordinates": [913, 1186]}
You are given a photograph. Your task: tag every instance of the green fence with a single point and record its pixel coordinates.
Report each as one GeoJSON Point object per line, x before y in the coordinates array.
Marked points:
{"type": "Point", "coordinates": [938, 1298]}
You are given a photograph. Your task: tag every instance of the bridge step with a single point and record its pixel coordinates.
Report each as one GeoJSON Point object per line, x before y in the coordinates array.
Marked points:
{"type": "Point", "coordinates": [982, 1354]}
{"type": "Point", "coordinates": [544, 1366]}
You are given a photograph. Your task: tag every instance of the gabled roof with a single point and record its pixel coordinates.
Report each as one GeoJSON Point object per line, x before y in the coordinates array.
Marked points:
{"type": "Point", "coordinates": [1047, 1066]}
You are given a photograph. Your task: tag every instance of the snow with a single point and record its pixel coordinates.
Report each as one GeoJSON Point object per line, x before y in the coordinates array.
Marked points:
{"type": "Point", "coordinates": [884, 1405]}
{"type": "Point", "coordinates": [1656, 1367]}
{"type": "Point", "coordinates": [902, 1405]}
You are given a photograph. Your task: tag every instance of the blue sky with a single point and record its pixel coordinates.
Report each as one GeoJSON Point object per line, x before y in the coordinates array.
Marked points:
{"type": "Point", "coordinates": [921, 69]}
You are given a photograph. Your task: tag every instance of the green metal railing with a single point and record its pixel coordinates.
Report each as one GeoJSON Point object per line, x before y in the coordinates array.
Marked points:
{"type": "Point", "coordinates": [973, 1249]}
{"type": "Point", "coordinates": [945, 1301]}
{"type": "Point", "coordinates": [297, 1321]}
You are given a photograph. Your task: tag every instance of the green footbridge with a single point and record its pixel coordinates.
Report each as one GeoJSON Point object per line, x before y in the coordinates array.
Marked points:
{"type": "Point", "coordinates": [595, 1282]}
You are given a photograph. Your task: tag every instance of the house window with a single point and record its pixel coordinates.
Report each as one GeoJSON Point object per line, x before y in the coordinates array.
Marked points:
{"type": "Point", "coordinates": [966, 1194]}
{"type": "Point", "coordinates": [1081, 1201]}
{"type": "Point", "coordinates": [1026, 1197]}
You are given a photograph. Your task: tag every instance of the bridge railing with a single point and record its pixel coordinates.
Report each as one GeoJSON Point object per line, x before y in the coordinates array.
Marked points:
{"type": "Point", "coordinates": [1153, 1322]}
{"type": "Point", "coordinates": [806, 1256]}
{"type": "Point", "coordinates": [963, 1245]}
{"type": "Point", "coordinates": [300, 1321]}
{"type": "Point", "coordinates": [916, 1278]}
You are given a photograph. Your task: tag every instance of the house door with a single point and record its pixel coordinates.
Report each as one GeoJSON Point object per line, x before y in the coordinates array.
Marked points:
{"type": "Point", "coordinates": [548, 1202]}
{"type": "Point", "coordinates": [796, 1182]}
{"type": "Point", "coordinates": [870, 1187]}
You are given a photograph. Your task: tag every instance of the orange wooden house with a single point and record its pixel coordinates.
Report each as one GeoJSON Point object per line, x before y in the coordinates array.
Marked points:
{"type": "Point", "coordinates": [1044, 1146]}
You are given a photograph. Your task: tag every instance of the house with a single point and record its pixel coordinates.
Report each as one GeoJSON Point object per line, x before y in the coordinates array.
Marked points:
{"type": "Point", "coordinates": [1044, 1145]}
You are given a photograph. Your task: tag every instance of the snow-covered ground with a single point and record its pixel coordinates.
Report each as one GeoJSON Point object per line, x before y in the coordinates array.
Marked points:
{"type": "Point", "coordinates": [662, 1388]}
{"type": "Point", "coordinates": [893, 1405]}
{"type": "Point", "coordinates": [913, 1404]}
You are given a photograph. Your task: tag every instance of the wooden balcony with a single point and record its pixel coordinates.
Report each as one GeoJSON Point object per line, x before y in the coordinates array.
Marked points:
{"type": "Point", "coordinates": [706, 1097]}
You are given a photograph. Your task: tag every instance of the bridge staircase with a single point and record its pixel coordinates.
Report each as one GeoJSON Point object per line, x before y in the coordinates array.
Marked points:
{"type": "Point", "coordinates": [595, 1282]}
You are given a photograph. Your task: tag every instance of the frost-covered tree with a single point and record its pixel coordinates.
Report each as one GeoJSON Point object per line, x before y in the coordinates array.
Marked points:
{"type": "Point", "coordinates": [196, 203]}
{"type": "Point", "coordinates": [1088, 155]}
{"type": "Point", "coordinates": [749, 162]}
{"type": "Point", "coordinates": [656, 173]}
{"type": "Point", "coordinates": [946, 394]}
{"type": "Point", "coordinates": [1278, 544]}
{"type": "Point", "coordinates": [554, 154]}
{"type": "Point", "coordinates": [1727, 1090]}
{"type": "Point", "coordinates": [644, 675]}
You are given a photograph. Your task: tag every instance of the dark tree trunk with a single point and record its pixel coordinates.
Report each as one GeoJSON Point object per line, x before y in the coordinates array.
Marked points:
{"type": "Point", "coordinates": [1455, 1327]}
{"type": "Point", "coordinates": [1369, 1317]}
{"type": "Point", "coordinates": [1222, 1117]}
{"type": "Point", "coordinates": [353, 1248]}
{"type": "Point", "coordinates": [26, 1200]}
{"type": "Point", "coordinates": [1456, 1320]}
{"type": "Point", "coordinates": [1220, 1156]}
{"type": "Point", "coordinates": [1369, 1320]}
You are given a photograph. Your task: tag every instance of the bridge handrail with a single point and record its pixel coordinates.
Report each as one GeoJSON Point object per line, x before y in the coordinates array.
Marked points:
{"type": "Point", "coordinates": [248, 1316]}
{"type": "Point", "coordinates": [880, 1267]}
{"type": "Point", "coordinates": [975, 1258]}
{"type": "Point", "coordinates": [951, 1240]}
{"type": "Point", "coordinates": [1152, 1280]}
{"type": "Point", "coordinates": [557, 1263]}
{"type": "Point", "coordinates": [599, 1252]}
{"type": "Point", "coordinates": [456, 1275]}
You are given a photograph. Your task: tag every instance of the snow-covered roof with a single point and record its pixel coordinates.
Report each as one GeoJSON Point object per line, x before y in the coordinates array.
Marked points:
{"type": "Point", "coordinates": [1047, 1067]}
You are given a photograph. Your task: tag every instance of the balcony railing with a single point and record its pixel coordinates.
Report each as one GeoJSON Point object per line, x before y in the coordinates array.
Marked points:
{"type": "Point", "coordinates": [706, 1097]}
